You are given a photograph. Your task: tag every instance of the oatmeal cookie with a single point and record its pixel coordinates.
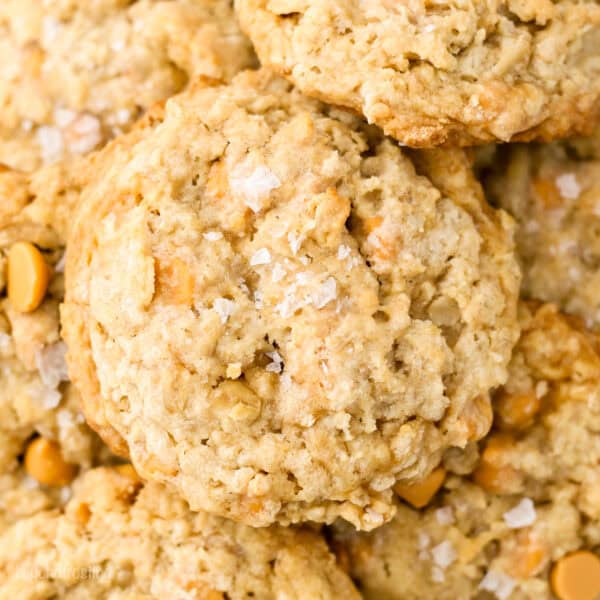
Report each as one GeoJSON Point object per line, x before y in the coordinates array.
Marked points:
{"type": "Point", "coordinates": [75, 73]}
{"type": "Point", "coordinates": [553, 191]}
{"type": "Point", "coordinates": [279, 312]}
{"type": "Point", "coordinates": [41, 424]}
{"type": "Point", "coordinates": [531, 509]}
{"type": "Point", "coordinates": [118, 539]}
{"type": "Point", "coordinates": [433, 73]}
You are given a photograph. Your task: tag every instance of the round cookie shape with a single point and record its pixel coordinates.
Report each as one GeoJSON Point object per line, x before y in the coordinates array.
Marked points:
{"type": "Point", "coordinates": [76, 74]}
{"type": "Point", "coordinates": [524, 524]}
{"type": "Point", "coordinates": [553, 191]}
{"type": "Point", "coordinates": [117, 538]}
{"type": "Point", "coordinates": [459, 74]}
{"type": "Point", "coordinates": [276, 310]}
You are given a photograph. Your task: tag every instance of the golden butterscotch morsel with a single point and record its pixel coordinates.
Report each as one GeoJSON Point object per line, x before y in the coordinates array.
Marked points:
{"type": "Point", "coordinates": [127, 470]}
{"type": "Point", "coordinates": [45, 463]}
{"type": "Point", "coordinates": [28, 277]}
{"type": "Point", "coordinates": [516, 410]}
{"type": "Point", "coordinates": [491, 474]}
{"type": "Point", "coordinates": [420, 494]}
{"type": "Point", "coordinates": [577, 576]}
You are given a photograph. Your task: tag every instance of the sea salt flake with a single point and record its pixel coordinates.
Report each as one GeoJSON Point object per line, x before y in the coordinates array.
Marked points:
{"type": "Point", "coordinates": [4, 342]}
{"type": "Point", "coordinates": [59, 267]}
{"type": "Point", "coordinates": [276, 364]}
{"type": "Point", "coordinates": [278, 273]}
{"type": "Point", "coordinates": [52, 364]}
{"type": "Point", "coordinates": [50, 398]}
{"type": "Point", "coordinates": [224, 308]}
{"type": "Point", "coordinates": [84, 134]}
{"type": "Point", "coordinates": [212, 236]}
{"type": "Point", "coordinates": [568, 186]}
{"type": "Point", "coordinates": [51, 143]}
{"type": "Point", "coordinates": [326, 293]}
{"type": "Point", "coordinates": [522, 515]}
{"type": "Point", "coordinates": [260, 257]}
{"type": "Point", "coordinates": [443, 554]}
{"type": "Point", "coordinates": [63, 117]}
{"type": "Point", "coordinates": [255, 187]}
{"type": "Point", "coordinates": [445, 515]}
{"type": "Point", "coordinates": [343, 251]}
{"type": "Point", "coordinates": [498, 583]}
{"type": "Point", "coordinates": [258, 300]}
{"type": "Point", "coordinates": [295, 241]}
{"type": "Point", "coordinates": [541, 389]}
{"type": "Point", "coordinates": [423, 540]}
{"type": "Point", "coordinates": [438, 575]}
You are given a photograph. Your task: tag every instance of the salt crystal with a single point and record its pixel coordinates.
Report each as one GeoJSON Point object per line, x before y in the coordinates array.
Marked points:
{"type": "Point", "coordinates": [343, 252]}
{"type": "Point", "coordinates": [255, 187]}
{"type": "Point", "coordinates": [278, 273]}
{"type": "Point", "coordinates": [438, 575]}
{"type": "Point", "coordinates": [498, 583]}
{"type": "Point", "coordinates": [295, 242]}
{"type": "Point", "coordinates": [568, 186]}
{"type": "Point", "coordinates": [5, 344]}
{"type": "Point", "coordinates": [445, 515]}
{"type": "Point", "coordinates": [59, 267]}
{"type": "Point", "coordinates": [224, 308]}
{"type": "Point", "coordinates": [258, 300]}
{"type": "Point", "coordinates": [276, 366]}
{"type": "Point", "coordinates": [50, 398]}
{"type": "Point", "coordinates": [541, 389]}
{"type": "Point", "coordinates": [423, 540]}
{"type": "Point", "coordinates": [522, 515]}
{"type": "Point", "coordinates": [52, 365]}
{"type": "Point", "coordinates": [84, 134]}
{"type": "Point", "coordinates": [212, 236]}
{"type": "Point", "coordinates": [260, 257]}
{"type": "Point", "coordinates": [443, 554]}
{"type": "Point", "coordinates": [51, 144]}
{"type": "Point", "coordinates": [326, 294]}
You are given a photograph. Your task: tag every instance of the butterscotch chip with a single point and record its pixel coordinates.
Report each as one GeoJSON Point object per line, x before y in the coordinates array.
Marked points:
{"type": "Point", "coordinates": [28, 277]}
{"type": "Point", "coordinates": [44, 461]}
{"type": "Point", "coordinates": [577, 576]}
{"type": "Point", "coordinates": [420, 494]}
{"type": "Point", "coordinates": [461, 73]}
{"type": "Point", "coordinates": [361, 353]}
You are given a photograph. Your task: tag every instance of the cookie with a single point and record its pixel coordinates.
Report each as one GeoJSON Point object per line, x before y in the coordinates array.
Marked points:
{"type": "Point", "coordinates": [75, 74]}
{"type": "Point", "coordinates": [553, 191]}
{"type": "Point", "coordinates": [118, 539]}
{"type": "Point", "coordinates": [530, 512]}
{"type": "Point", "coordinates": [458, 74]}
{"type": "Point", "coordinates": [44, 440]}
{"type": "Point", "coordinates": [275, 310]}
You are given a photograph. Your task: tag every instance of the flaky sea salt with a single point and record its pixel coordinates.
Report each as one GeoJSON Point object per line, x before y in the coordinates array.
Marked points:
{"type": "Point", "coordinates": [445, 515]}
{"type": "Point", "coordinates": [224, 308]}
{"type": "Point", "coordinates": [59, 267]}
{"type": "Point", "coordinates": [276, 364]}
{"type": "Point", "coordinates": [52, 364]}
{"type": "Point", "coordinates": [253, 187]}
{"type": "Point", "coordinates": [327, 293]}
{"type": "Point", "coordinates": [84, 134]}
{"type": "Point", "coordinates": [568, 186]}
{"type": "Point", "coordinates": [278, 273]}
{"type": "Point", "coordinates": [443, 554]}
{"type": "Point", "coordinates": [212, 236]}
{"type": "Point", "coordinates": [260, 257]}
{"type": "Point", "coordinates": [50, 141]}
{"type": "Point", "coordinates": [49, 398]}
{"type": "Point", "coordinates": [295, 242]}
{"type": "Point", "coordinates": [522, 515]}
{"type": "Point", "coordinates": [258, 300]}
{"type": "Point", "coordinates": [4, 342]}
{"type": "Point", "coordinates": [498, 583]}
{"type": "Point", "coordinates": [343, 251]}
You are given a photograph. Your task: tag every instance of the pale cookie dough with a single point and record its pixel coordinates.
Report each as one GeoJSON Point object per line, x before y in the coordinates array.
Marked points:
{"type": "Point", "coordinates": [553, 191]}
{"type": "Point", "coordinates": [74, 73]}
{"type": "Point", "coordinates": [432, 73]}
{"type": "Point", "coordinates": [533, 499]}
{"type": "Point", "coordinates": [35, 395]}
{"type": "Point", "coordinates": [117, 539]}
{"type": "Point", "coordinates": [269, 308]}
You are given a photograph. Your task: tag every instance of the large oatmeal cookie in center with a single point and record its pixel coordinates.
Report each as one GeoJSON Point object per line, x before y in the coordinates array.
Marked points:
{"type": "Point", "coordinates": [279, 312]}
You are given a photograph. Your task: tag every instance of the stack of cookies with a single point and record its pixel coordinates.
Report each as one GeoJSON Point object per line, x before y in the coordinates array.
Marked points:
{"type": "Point", "coordinates": [289, 309]}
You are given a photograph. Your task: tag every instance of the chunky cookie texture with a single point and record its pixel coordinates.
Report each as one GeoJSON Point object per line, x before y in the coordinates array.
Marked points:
{"type": "Point", "coordinates": [530, 509]}
{"type": "Point", "coordinates": [44, 440]}
{"type": "Point", "coordinates": [76, 73]}
{"type": "Point", "coordinates": [118, 539]}
{"type": "Point", "coordinates": [275, 310]}
{"type": "Point", "coordinates": [432, 73]}
{"type": "Point", "coordinates": [553, 191]}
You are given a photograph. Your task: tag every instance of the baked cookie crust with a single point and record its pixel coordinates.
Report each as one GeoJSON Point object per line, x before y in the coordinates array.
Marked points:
{"type": "Point", "coordinates": [460, 73]}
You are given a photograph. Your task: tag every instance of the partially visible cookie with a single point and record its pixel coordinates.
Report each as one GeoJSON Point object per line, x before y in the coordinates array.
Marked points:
{"type": "Point", "coordinates": [74, 74]}
{"type": "Point", "coordinates": [429, 73]}
{"type": "Point", "coordinates": [277, 311]}
{"type": "Point", "coordinates": [117, 539]}
{"type": "Point", "coordinates": [553, 191]}
{"type": "Point", "coordinates": [44, 440]}
{"type": "Point", "coordinates": [532, 507]}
